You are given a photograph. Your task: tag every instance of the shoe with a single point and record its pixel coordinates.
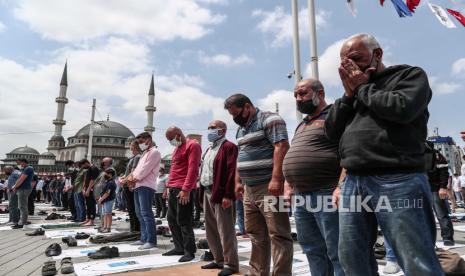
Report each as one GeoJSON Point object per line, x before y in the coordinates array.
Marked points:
{"type": "Point", "coordinates": [82, 236]}
{"type": "Point", "coordinates": [391, 268]}
{"type": "Point", "coordinates": [202, 244]}
{"type": "Point", "coordinates": [70, 241]}
{"type": "Point", "coordinates": [67, 266]}
{"type": "Point", "coordinates": [226, 272]}
{"type": "Point", "coordinates": [173, 252]}
{"type": "Point", "coordinates": [105, 253]}
{"type": "Point", "coordinates": [207, 256]}
{"type": "Point", "coordinates": [158, 222]}
{"type": "Point", "coordinates": [138, 243]}
{"type": "Point", "coordinates": [147, 245]}
{"type": "Point", "coordinates": [186, 258]}
{"type": "Point", "coordinates": [49, 268]}
{"type": "Point", "coordinates": [52, 216]}
{"type": "Point", "coordinates": [53, 250]}
{"type": "Point", "coordinates": [212, 265]}
{"type": "Point", "coordinates": [37, 232]}
{"type": "Point", "coordinates": [449, 242]}
{"type": "Point", "coordinates": [294, 236]}
{"type": "Point", "coordinates": [17, 226]}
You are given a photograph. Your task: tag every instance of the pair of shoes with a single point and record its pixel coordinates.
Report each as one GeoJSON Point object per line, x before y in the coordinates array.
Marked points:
{"type": "Point", "coordinates": [203, 244]}
{"type": "Point", "coordinates": [207, 256]}
{"type": "Point", "coordinates": [49, 268]}
{"type": "Point", "coordinates": [37, 232]}
{"type": "Point", "coordinates": [105, 253]}
{"type": "Point", "coordinates": [67, 266]}
{"type": "Point", "coordinates": [226, 272]}
{"type": "Point", "coordinates": [147, 245]}
{"type": "Point", "coordinates": [70, 241]}
{"type": "Point", "coordinates": [53, 250]}
{"type": "Point", "coordinates": [17, 226]}
{"type": "Point", "coordinates": [82, 236]}
{"type": "Point", "coordinates": [173, 252]}
{"type": "Point", "coordinates": [449, 242]}
{"type": "Point", "coordinates": [212, 265]}
{"type": "Point", "coordinates": [391, 268]}
{"type": "Point", "coordinates": [186, 258]}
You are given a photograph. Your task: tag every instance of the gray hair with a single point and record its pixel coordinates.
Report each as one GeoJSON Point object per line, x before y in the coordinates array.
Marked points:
{"type": "Point", "coordinates": [368, 40]}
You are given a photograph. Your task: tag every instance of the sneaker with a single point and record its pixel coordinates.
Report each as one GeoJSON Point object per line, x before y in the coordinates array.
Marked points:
{"type": "Point", "coordinates": [146, 246]}
{"type": "Point", "coordinates": [186, 258]}
{"type": "Point", "coordinates": [391, 268]}
{"type": "Point", "coordinates": [449, 243]}
{"type": "Point", "coordinates": [138, 243]}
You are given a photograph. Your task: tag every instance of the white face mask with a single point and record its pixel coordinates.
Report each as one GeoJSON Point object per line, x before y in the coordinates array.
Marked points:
{"type": "Point", "coordinates": [175, 142]}
{"type": "Point", "coordinates": [143, 146]}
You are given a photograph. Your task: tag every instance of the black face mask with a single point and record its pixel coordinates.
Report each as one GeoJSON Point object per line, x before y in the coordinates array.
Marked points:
{"type": "Point", "coordinates": [241, 121]}
{"type": "Point", "coordinates": [307, 107]}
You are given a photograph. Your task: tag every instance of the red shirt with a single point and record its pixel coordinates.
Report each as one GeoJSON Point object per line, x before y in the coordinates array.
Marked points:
{"type": "Point", "coordinates": [185, 166]}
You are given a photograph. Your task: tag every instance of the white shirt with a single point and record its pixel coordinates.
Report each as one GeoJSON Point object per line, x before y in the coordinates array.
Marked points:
{"type": "Point", "coordinates": [206, 177]}
{"type": "Point", "coordinates": [40, 185]}
{"type": "Point", "coordinates": [456, 184]}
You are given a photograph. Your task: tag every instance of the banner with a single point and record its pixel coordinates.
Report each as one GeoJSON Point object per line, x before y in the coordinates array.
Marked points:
{"type": "Point", "coordinates": [441, 15]}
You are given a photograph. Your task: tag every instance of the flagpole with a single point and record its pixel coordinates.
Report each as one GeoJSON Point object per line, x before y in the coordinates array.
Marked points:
{"type": "Point", "coordinates": [295, 41]}
{"type": "Point", "coordinates": [312, 29]}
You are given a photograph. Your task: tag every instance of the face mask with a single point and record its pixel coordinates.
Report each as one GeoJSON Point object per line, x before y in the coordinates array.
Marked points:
{"type": "Point", "coordinates": [371, 63]}
{"type": "Point", "coordinates": [309, 107]}
{"type": "Point", "coordinates": [175, 142]}
{"type": "Point", "coordinates": [143, 146]}
{"type": "Point", "coordinates": [213, 135]}
{"type": "Point", "coordinates": [241, 121]}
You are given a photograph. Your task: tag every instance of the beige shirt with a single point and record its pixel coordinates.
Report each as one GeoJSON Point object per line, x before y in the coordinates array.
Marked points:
{"type": "Point", "coordinates": [206, 177]}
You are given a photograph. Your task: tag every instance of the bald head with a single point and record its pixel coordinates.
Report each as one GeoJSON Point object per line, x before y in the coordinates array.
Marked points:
{"type": "Point", "coordinates": [174, 132]}
{"type": "Point", "coordinates": [107, 162]}
{"type": "Point", "coordinates": [364, 50]}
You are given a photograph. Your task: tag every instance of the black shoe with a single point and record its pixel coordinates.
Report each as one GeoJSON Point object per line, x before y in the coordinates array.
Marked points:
{"type": "Point", "coordinates": [49, 268]}
{"type": "Point", "coordinates": [42, 213]}
{"type": "Point", "coordinates": [67, 266]}
{"type": "Point", "coordinates": [212, 266]}
{"type": "Point", "coordinates": [52, 216]}
{"type": "Point", "coordinates": [37, 232]}
{"type": "Point", "coordinates": [53, 250]}
{"type": "Point", "coordinates": [203, 244]}
{"type": "Point", "coordinates": [186, 258]}
{"type": "Point", "coordinates": [105, 253]}
{"type": "Point", "coordinates": [82, 236]}
{"type": "Point", "coordinates": [207, 256]}
{"type": "Point", "coordinates": [449, 242]}
{"type": "Point", "coordinates": [173, 252]}
{"type": "Point", "coordinates": [226, 272]}
{"type": "Point", "coordinates": [158, 222]}
{"type": "Point", "coordinates": [71, 242]}
{"type": "Point", "coordinates": [16, 226]}
{"type": "Point", "coordinates": [294, 236]}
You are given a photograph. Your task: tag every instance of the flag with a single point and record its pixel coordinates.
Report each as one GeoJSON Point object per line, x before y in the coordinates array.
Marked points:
{"type": "Point", "coordinates": [351, 6]}
{"type": "Point", "coordinates": [381, 2]}
{"type": "Point", "coordinates": [412, 4]}
{"type": "Point", "coordinates": [401, 8]}
{"type": "Point", "coordinates": [441, 14]}
{"type": "Point", "coordinates": [457, 16]}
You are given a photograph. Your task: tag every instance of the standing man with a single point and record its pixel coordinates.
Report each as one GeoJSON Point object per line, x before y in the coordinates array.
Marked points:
{"type": "Point", "coordinates": [217, 179]}
{"type": "Point", "coordinates": [23, 188]}
{"type": "Point", "coordinates": [39, 187]}
{"type": "Point", "coordinates": [13, 211]}
{"type": "Point", "coordinates": [160, 194]}
{"type": "Point", "coordinates": [88, 190]}
{"type": "Point", "coordinates": [144, 178]}
{"type": "Point", "coordinates": [79, 199]}
{"type": "Point", "coordinates": [263, 143]}
{"type": "Point", "coordinates": [72, 173]}
{"type": "Point", "coordinates": [183, 179]}
{"type": "Point", "coordinates": [312, 170]}
{"type": "Point", "coordinates": [381, 122]}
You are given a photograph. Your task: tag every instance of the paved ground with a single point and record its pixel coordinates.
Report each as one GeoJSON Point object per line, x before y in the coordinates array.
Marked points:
{"type": "Point", "coordinates": [24, 255]}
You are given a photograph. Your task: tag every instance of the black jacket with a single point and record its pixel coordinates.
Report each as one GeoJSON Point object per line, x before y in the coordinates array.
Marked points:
{"type": "Point", "coordinates": [382, 129]}
{"type": "Point", "coordinates": [436, 167]}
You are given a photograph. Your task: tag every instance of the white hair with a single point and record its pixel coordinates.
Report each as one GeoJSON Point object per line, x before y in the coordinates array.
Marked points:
{"type": "Point", "coordinates": [368, 40]}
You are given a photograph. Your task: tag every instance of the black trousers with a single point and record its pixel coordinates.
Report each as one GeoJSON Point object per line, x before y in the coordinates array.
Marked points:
{"type": "Point", "coordinates": [160, 204]}
{"type": "Point", "coordinates": [71, 205]}
{"type": "Point", "coordinates": [64, 199]}
{"type": "Point", "coordinates": [198, 207]}
{"type": "Point", "coordinates": [90, 206]}
{"type": "Point", "coordinates": [30, 202]}
{"type": "Point", "coordinates": [180, 222]}
{"type": "Point", "coordinates": [133, 220]}
{"type": "Point", "coordinates": [38, 195]}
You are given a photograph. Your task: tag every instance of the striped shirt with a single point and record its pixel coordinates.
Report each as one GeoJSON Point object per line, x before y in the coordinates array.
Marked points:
{"type": "Point", "coordinates": [256, 147]}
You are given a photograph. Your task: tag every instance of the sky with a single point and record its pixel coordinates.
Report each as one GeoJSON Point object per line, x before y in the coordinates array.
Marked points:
{"type": "Point", "coordinates": [200, 51]}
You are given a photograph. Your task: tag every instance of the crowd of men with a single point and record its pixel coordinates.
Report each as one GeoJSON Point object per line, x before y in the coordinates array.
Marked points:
{"type": "Point", "coordinates": [369, 145]}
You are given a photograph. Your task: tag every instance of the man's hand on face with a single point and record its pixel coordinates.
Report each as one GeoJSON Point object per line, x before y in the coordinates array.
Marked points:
{"type": "Point", "coordinates": [353, 75]}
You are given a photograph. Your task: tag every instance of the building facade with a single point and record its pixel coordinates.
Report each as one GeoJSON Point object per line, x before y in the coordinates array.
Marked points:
{"type": "Point", "coordinates": [448, 148]}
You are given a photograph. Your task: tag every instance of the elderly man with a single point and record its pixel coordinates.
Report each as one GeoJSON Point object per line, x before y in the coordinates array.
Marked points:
{"type": "Point", "coordinates": [13, 175]}
{"type": "Point", "coordinates": [263, 143]}
{"type": "Point", "coordinates": [311, 168]}
{"type": "Point", "coordinates": [22, 188]}
{"type": "Point", "coordinates": [381, 122]}
{"type": "Point", "coordinates": [183, 178]}
{"type": "Point", "coordinates": [218, 180]}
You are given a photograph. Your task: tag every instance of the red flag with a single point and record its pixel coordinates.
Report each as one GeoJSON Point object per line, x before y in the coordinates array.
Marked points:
{"type": "Point", "coordinates": [412, 4]}
{"type": "Point", "coordinates": [457, 16]}
{"type": "Point", "coordinates": [381, 2]}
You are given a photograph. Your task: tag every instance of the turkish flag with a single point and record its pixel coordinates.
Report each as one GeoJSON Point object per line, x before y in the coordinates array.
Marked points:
{"type": "Point", "coordinates": [412, 4]}
{"type": "Point", "coordinates": [457, 16]}
{"type": "Point", "coordinates": [381, 2]}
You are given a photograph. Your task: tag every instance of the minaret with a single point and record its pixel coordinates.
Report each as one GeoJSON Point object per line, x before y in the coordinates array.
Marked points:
{"type": "Point", "coordinates": [150, 108]}
{"type": "Point", "coordinates": [57, 141]}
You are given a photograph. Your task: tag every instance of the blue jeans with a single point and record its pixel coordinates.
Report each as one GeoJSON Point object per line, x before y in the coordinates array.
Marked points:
{"type": "Point", "coordinates": [240, 216]}
{"type": "Point", "coordinates": [389, 252]}
{"type": "Point", "coordinates": [79, 203]}
{"type": "Point", "coordinates": [318, 234]}
{"type": "Point", "coordinates": [402, 207]}
{"type": "Point", "coordinates": [143, 197]}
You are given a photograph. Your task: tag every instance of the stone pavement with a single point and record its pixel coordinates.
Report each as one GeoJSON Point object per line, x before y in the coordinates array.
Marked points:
{"type": "Point", "coordinates": [24, 255]}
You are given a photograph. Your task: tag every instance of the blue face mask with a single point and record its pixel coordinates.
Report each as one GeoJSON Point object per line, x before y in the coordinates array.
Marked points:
{"type": "Point", "coordinates": [213, 135]}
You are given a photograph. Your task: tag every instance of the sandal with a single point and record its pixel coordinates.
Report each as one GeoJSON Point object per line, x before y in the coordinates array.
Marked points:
{"type": "Point", "coordinates": [49, 268]}
{"type": "Point", "coordinates": [67, 266]}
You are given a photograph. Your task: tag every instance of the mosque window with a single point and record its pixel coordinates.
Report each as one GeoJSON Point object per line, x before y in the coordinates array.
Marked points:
{"type": "Point", "coordinates": [99, 140]}
{"type": "Point", "coordinates": [107, 140]}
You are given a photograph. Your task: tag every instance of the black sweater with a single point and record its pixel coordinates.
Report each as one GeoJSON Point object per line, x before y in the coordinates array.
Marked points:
{"type": "Point", "coordinates": [382, 129]}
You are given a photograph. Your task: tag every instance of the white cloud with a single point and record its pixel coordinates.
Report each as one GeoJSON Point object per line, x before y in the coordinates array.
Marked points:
{"type": "Point", "coordinates": [152, 20]}
{"type": "Point", "coordinates": [225, 59]}
{"type": "Point", "coordinates": [442, 88]}
{"type": "Point", "coordinates": [278, 23]}
{"type": "Point", "coordinates": [286, 102]}
{"type": "Point", "coordinates": [328, 65]}
{"type": "Point", "coordinates": [458, 68]}
{"type": "Point", "coordinates": [2, 27]}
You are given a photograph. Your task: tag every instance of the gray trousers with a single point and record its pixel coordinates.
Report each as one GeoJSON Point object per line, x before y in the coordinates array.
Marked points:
{"type": "Point", "coordinates": [221, 233]}
{"type": "Point", "coordinates": [23, 195]}
{"type": "Point", "coordinates": [13, 207]}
